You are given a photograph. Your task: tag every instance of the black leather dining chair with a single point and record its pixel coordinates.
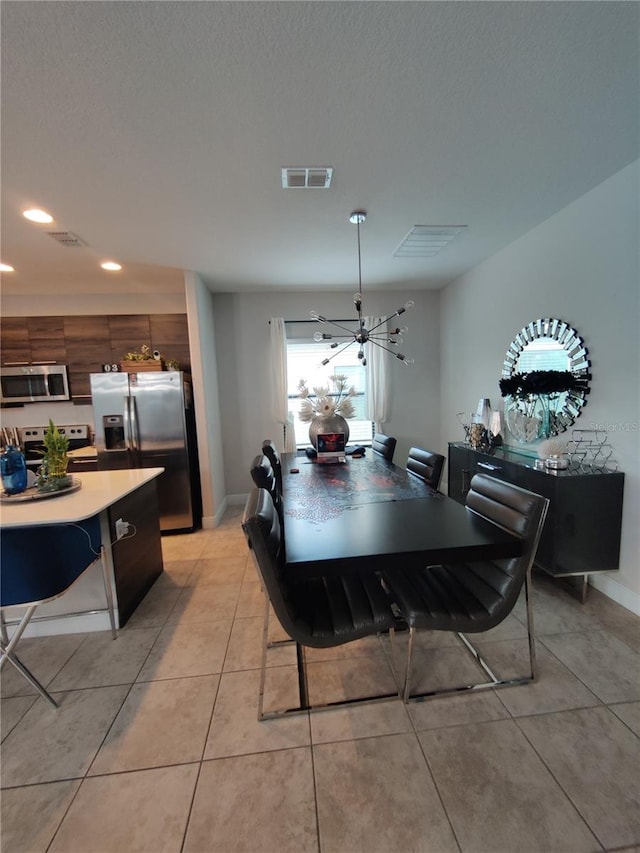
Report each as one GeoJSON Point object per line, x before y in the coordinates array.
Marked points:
{"type": "Point", "coordinates": [476, 596]}
{"type": "Point", "coordinates": [270, 451]}
{"type": "Point", "coordinates": [426, 465]}
{"type": "Point", "coordinates": [264, 477]}
{"type": "Point", "coordinates": [39, 569]}
{"type": "Point", "coordinates": [319, 612]}
{"type": "Point", "coordinates": [384, 445]}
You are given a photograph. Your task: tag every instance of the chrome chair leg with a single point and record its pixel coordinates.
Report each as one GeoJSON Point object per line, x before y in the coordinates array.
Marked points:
{"type": "Point", "coordinates": [407, 675]}
{"type": "Point", "coordinates": [263, 662]}
{"type": "Point", "coordinates": [7, 654]}
{"type": "Point", "coordinates": [495, 681]}
{"type": "Point", "coordinates": [530, 630]}
{"type": "Point", "coordinates": [106, 576]}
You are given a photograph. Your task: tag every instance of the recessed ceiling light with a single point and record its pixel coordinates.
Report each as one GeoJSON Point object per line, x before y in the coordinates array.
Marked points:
{"type": "Point", "coordinates": [112, 266]}
{"type": "Point", "coordinates": [36, 215]}
{"type": "Point", "coordinates": [6, 268]}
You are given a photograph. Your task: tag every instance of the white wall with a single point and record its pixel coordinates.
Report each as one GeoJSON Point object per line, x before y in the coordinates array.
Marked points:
{"type": "Point", "coordinates": [93, 303]}
{"type": "Point", "coordinates": [580, 265]}
{"type": "Point", "coordinates": [243, 341]}
{"type": "Point", "coordinates": [206, 395]}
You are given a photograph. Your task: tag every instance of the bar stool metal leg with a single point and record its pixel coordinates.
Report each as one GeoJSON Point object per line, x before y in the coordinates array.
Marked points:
{"type": "Point", "coordinates": [7, 654]}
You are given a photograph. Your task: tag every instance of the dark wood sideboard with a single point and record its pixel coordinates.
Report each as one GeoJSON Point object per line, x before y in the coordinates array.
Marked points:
{"type": "Point", "coordinates": [581, 534]}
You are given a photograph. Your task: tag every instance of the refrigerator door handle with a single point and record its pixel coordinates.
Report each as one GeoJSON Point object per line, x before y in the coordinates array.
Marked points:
{"type": "Point", "coordinates": [133, 425]}
{"type": "Point", "coordinates": [128, 425]}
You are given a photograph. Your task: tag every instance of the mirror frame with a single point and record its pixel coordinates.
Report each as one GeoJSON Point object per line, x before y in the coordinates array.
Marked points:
{"type": "Point", "coordinates": [579, 364]}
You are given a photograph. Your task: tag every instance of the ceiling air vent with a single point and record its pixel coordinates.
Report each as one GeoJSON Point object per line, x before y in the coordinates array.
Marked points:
{"type": "Point", "coordinates": [67, 238]}
{"type": "Point", "coordinates": [425, 241]}
{"type": "Point", "coordinates": [303, 177]}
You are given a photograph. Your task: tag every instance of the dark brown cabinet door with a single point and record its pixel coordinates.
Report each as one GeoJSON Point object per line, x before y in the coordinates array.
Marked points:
{"type": "Point", "coordinates": [128, 332]}
{"type": "Point", "coordinates": [170, 335]}
{"type": "Point", "coordinates": [15, 340]}
{"type": "Point", "coordinates": [47, 341]}
{"type": "Point", "coordinates": [88, 348]}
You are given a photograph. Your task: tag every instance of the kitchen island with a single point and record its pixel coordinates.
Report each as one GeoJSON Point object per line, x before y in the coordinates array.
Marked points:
{"type": "Point", "coordinates": [134, 560]}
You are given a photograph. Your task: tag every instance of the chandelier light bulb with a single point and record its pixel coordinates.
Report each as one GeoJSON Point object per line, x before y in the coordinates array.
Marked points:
{"type": "Point", "coordinates": [318, 336]}
{"type": "Point", "coordinates": [410, 305]}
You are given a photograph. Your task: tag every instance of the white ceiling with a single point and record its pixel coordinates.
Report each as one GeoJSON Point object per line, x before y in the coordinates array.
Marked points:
{"type": "Point", "coordinates": [156, 132]}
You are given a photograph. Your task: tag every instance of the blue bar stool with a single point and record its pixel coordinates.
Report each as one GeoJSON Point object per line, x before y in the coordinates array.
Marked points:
{"type": "Point", "coordinates": [40, 565]}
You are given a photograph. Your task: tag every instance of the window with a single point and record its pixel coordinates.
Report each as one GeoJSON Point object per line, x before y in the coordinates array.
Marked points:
{"type": "Point", "coordinates": [303, 362]}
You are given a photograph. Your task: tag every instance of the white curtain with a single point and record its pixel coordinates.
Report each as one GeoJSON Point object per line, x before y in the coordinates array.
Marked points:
{"type": "Point", "coordinates": [279, 381]}
{"type": "Point", "coordinates": [377, 391]}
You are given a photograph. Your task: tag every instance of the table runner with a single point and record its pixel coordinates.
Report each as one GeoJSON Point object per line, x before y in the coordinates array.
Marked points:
{"type": "Point", "coordinates": [323, 491]}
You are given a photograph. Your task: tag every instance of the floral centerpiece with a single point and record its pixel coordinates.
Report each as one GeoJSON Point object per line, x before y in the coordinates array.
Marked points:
{"type": "Point", "coordinates": [327, 409]}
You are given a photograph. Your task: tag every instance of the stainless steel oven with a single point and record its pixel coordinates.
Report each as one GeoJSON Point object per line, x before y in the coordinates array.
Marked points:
{"type": "Point", "coordinates": [34, 383]}
{"type": "Point", "coordinates": [32, 441]}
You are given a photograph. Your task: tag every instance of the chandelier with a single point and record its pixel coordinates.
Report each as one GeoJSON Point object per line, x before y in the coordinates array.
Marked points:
{"type": "Point", "coordinates": [386, 340]}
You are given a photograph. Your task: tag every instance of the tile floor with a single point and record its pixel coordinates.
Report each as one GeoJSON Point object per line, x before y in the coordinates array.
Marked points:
{"type": "Point", "coordinates": [156, 745]}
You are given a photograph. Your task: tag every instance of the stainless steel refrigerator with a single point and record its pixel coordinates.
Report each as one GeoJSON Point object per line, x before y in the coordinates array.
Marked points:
{"type": "Point", "coordinates": [145, 420]}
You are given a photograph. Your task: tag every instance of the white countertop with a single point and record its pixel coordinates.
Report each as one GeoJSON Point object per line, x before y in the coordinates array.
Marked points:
{"type": "Point", "coordinates": [99, 490]}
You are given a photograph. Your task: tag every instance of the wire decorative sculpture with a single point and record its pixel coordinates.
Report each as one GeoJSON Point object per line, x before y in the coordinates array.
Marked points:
{"type": "Point", "coordinates": [590, 448]}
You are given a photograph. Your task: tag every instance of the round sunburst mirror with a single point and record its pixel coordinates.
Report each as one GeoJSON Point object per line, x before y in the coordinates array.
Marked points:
{"type": "Point", "coordinates": [548, 357]}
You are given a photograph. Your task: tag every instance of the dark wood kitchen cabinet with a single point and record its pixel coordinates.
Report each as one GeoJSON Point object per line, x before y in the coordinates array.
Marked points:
{"type": "Point", "coordinates": [33, 340]}
{"type": "Point", "coordinates": [47, 340]}
{"type": "Point", "coordinates": [583, 525]}
{"type": "Point", "coordinates": [16, 348]}
{"type": "Point", "coordinates": [88, 348]}
{"type": "Point", "coordinates": [85, 342]}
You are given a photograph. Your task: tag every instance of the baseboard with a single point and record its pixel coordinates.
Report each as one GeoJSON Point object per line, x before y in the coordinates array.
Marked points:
{"type": "Point", "coordinates": [237, 500]}
{"type": "Point", "coordinates": [616, 591]}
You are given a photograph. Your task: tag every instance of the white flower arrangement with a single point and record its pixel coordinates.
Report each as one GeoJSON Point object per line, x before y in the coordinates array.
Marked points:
{"type": "Point", "coordinates": [327, 401]}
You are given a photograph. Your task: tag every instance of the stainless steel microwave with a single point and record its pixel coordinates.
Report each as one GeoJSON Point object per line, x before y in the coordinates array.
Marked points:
{"type": "Point", "coordinates": [34, 383]}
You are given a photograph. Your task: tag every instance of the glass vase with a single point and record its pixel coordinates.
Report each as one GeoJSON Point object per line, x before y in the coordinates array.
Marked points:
{"type": "Point", "coordinates": [13, 470]}
{"type": "Point", "coordinates": [527, 418]}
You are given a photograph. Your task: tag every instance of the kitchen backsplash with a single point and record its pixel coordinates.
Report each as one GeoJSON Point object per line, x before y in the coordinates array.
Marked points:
{"type": "Point", "coordinates": [38, 414]}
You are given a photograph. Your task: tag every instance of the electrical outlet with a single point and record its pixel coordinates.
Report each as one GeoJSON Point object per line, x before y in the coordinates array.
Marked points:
{"type": "Point", "coordinates": [122, 528]}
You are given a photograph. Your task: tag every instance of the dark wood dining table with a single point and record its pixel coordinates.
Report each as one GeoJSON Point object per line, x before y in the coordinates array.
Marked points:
{"type": "Point", "coordinates": [368, 514]}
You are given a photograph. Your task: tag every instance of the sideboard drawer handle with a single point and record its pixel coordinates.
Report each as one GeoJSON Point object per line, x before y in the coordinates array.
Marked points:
{"type": "Point", "coordinates": [487, 466]}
